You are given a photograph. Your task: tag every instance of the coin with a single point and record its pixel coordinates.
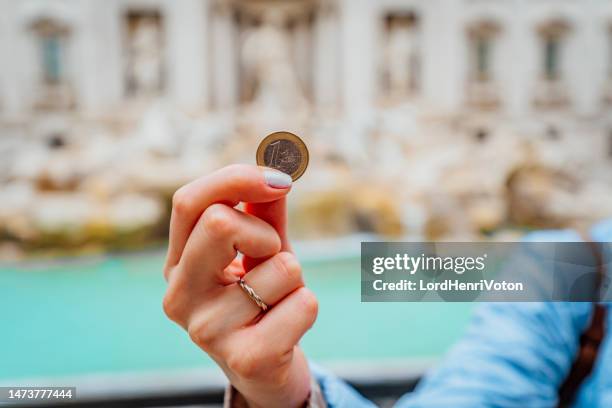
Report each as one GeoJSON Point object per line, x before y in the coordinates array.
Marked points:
{"type": "Point", "coordinates": [285, 152]}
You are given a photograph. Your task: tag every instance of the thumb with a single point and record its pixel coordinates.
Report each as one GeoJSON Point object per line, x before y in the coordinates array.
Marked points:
{"type": "Point", "coordinates": [275, 214]}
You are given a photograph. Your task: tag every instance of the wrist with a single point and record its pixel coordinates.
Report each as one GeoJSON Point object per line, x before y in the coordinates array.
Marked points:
{"type": "Point", "coordinates": [316, 399]}
{"type": "Point", "coordinates": [293, 392]}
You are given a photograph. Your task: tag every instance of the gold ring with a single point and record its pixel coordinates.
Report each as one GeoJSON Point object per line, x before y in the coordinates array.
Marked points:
{"type": "Point", "coordinates": [254, 296]}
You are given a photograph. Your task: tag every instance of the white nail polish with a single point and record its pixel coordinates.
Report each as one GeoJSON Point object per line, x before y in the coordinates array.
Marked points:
{"type": "Point", "coordinates": [277, 179]}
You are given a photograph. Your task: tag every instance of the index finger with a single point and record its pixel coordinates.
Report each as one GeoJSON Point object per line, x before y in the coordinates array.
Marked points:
{"type": "Point", "coordinates": [229, 185]}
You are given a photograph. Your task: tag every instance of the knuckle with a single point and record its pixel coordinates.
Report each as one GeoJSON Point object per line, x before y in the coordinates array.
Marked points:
{"type": "Point", "coordinates": [275, 244]}
{"type": "Point", "coordinates": [166, 272]}
{"type": "Point", "coordinates": [170, 306]}
{"type": "Point", "coordinates": [288, 265]}
{"type": "Point", "coordinates": [247, 364]}
{"type": "Point", "coordinates": [218, 220]}
{"type": "Point", "coordinates": [309, 303]}
{"type": "Point", "coordinates": [182, 201]}
{"type": "Point", "coordinates": [201, 333]}
{"type": "Point", "coordinates": [278, 244]}
{"type": "Point", "coordinates": [279, 377]}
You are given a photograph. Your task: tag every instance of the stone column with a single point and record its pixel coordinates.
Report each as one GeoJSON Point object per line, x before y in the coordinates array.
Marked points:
{"type": "Point", "coordinates": [186, 52]}
{"type": "Point", "coordinates": [108, 72]}
{"type": "Point", "coordinates": [359, 21]}
{"type": "Point", "coordinates": [20, 69]}
{"type": "Point", "coordinates": [224, 57]}
{"type": "Point", "coordinates": [88, 75]}
{"type": "Point", "coordinates": [517, 89]}
{"type": "Point", "coordinates": [12, 95]}
{"type": "Point", "coordinates": [582, 55]}
{"type": "Point", "coordinates": [303, 54]}
{"type": "Point", "coordinates": [444, 55]}
{"type": "Point", "coordinates": [326, 62]}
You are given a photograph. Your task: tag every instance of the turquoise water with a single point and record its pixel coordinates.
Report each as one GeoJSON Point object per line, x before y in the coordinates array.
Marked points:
{"type": "Point", "coordinates": [104, 315]}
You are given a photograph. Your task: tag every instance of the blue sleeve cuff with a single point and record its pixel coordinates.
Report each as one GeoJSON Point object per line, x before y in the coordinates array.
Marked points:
{"type": "Point", "coordinates": [337, 393]}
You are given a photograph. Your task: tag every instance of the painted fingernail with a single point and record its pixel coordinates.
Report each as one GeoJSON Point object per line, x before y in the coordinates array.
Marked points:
{"type": "Point", "coordinates": [277, 179]}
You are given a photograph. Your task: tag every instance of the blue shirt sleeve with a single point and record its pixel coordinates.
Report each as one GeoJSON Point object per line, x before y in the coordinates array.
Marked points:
{"type": "Point", "coordinates": [512, 354]}
{"type": "Point", "coordinates": [336, 392]}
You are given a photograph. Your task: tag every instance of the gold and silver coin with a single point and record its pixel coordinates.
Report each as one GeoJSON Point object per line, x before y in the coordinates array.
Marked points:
{"type": "Point", "coordinates": [285, 152]}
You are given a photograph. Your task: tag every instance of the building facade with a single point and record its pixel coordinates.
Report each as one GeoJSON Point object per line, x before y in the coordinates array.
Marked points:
{"type": "Point", "coordinates": [512, 57]}
{"type": "Point", "coordinates": [440, 116]}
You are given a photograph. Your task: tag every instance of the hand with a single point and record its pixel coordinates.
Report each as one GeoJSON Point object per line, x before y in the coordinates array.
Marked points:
{"type": "Point", "coordinates": [258, 352]}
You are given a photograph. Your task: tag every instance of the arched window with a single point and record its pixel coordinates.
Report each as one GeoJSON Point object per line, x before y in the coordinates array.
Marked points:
{"type": "Point", "coordinates": [552, 36]}
{"type": "Point", "coordinates": [51, 37]}
{"type": "Point", "coordinates": [481, 39]}
{"type": "Point", "coordinates": [550, 90]}
{"type": "Point", "coordinates": [482, 90]}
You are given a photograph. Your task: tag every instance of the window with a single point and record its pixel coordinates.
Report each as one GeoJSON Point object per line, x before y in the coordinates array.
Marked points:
{"type": "Point", "coordinates": [480, 59]}
{"type": "Point", "coordinates": [482, 90]}
{"type": "Point", "coordinates": [483, 54]}
{"type": "Point", "coordinates": [51, 51]}
{"type": "Point", "coordinates": [552, 35]}
{"type": "Point", "coordinates": [551, 58]}
{"type": "Point", "coordinates": [51, 38]}
{"type": "Point", "coordinates": [481, 38]}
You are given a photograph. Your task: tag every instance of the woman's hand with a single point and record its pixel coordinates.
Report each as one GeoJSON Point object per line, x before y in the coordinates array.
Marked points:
{"type": "Point", "coordinates": [258, 352]}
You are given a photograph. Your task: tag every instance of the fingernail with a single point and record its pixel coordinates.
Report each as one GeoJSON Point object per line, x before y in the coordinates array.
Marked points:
{"type": "Point", "coordinates": [277, 179]}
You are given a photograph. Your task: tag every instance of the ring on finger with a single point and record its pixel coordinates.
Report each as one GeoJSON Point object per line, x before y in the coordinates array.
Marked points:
{"type": "Point", "coordinates": [251, 294]}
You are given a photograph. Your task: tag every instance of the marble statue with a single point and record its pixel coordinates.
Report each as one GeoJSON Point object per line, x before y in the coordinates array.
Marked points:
{"type": "Point", "coordinates": [145, 66]}
{"type": "Point", "coordinates": [401, 59]}
{"type": "Point", "coordinates": [267, 58]}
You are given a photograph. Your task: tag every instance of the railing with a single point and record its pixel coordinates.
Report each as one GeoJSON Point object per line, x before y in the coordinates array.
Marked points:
{"type": "Point", "coordinates": [383, 394]}
{"type": "Point", "coordinates": [381, 383]}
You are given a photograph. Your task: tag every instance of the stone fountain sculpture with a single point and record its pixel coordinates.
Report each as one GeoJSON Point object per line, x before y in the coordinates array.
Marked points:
{"type": "Point", "coordinates": [267, 58]}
